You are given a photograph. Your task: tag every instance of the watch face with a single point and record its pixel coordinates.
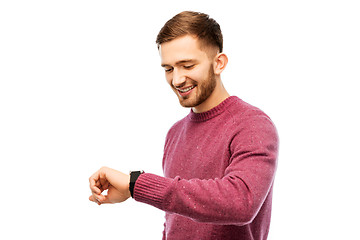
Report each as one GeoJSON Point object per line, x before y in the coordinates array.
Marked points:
{"type": "Point", "coordinates": [133, 177]}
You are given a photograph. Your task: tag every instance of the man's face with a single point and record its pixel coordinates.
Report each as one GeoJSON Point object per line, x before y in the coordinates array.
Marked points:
{"type": "Point", "coordinates": [188, 70]}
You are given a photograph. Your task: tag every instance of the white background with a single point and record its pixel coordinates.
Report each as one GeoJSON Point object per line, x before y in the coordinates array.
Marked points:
{"type": "Point", "coordinates": [82, 87]}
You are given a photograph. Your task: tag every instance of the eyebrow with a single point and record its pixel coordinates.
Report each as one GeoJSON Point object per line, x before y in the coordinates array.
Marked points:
{"type": "Point", "coordinates": [179, 62]}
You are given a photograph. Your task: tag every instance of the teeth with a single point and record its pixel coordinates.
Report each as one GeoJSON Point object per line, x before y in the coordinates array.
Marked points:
{"type": "Point", "coordinates": [186, 89]}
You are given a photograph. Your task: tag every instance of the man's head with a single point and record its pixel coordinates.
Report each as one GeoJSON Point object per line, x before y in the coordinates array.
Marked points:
{"type": "Point", "coordinates": [190, 46]}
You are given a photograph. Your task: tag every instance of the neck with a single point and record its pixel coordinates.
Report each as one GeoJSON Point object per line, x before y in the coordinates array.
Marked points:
{"type": "Point", "coordinates": [217, 96]}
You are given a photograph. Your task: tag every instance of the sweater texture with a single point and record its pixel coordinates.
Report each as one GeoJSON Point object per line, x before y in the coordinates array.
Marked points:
{"type": "Point", "coordinates": [219, 168]}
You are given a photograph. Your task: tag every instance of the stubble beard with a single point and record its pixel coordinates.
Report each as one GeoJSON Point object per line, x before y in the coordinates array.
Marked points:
{"type": "Point", "coordinates": [203, 91]}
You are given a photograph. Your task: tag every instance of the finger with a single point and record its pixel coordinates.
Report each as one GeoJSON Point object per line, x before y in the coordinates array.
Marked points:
{"type": "Point", "coordinates": [94, 199]}
{"type": "Point", "coordinates": [105, 200]}
{"type": "Point", "coordinates": [98, 181]}
{"type": "Point", "coordinates": [91, 198]}
{"type": "Point", "coordinates": [94, 183]}
{"type": "Point", "coordinates": [94, 189]}
{"type": "Point", "coordinates": [103, 180]}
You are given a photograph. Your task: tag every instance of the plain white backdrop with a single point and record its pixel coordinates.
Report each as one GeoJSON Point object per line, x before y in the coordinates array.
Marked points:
{"type": "Point", "coordinates": [81, 87]}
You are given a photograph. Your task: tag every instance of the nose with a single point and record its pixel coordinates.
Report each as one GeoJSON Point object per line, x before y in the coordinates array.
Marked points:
{"type": "Point", "coordinates": [178, 79]}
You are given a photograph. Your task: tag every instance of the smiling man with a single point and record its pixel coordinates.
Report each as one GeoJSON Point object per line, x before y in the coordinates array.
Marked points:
{"type": "Point", "coordinates": [193, 72]}
{"type": "Point", "coordinates": [219, 161]}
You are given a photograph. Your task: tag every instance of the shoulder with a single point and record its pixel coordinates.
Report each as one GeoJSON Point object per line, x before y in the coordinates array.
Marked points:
{"type": "Point", "coordinates": [242, 113]}
{"type": "Point", "coordinates": [250, 123]}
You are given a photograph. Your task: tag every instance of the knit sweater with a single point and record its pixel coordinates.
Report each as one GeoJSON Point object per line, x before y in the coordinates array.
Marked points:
{"type": "Point", "coordinates": [219, 168]}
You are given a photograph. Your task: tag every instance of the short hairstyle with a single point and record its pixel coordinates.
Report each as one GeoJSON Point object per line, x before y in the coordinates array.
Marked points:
{"type": "Point", "coordinates": [199, 25]}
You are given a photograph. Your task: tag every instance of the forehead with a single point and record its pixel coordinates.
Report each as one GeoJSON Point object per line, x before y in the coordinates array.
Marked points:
{"type": "Point", "coordinates": [179, 49]}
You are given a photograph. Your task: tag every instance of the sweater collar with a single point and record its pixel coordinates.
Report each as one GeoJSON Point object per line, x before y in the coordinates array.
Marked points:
{"type": "Point", "coordinates": [204, 116]}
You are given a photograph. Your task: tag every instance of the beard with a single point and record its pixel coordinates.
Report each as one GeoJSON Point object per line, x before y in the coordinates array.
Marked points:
{"type": "Point", "coordinates": [203, 91]}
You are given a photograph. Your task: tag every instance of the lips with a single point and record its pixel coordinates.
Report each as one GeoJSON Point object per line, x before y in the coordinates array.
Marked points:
{"type": "Point", "coordinates": [185, 90]}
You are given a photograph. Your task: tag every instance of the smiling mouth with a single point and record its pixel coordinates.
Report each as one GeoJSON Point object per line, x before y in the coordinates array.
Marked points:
{"type": "Point", "coordinates": [185, 90]}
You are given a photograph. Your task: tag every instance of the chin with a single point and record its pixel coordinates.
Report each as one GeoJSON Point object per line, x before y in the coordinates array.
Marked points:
{"type": "Point", "coordinates": [186, 104]}
{"type": "Point", "coordinates": [189, 103]}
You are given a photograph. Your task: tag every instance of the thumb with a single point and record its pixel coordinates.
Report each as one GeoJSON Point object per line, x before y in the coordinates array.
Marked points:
{"type": "Point", "coordinates": [105, 199]}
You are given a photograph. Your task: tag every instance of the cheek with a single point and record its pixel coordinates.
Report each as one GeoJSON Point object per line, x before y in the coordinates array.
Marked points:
{"type": "Point", "coordinates": [199, 74]}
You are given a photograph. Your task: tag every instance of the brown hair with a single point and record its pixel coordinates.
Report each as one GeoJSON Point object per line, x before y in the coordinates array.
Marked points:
{"type": "Point", "coordinates": [200, 25]}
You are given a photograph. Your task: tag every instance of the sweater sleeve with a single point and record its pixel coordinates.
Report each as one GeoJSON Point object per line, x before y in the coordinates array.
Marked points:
{"type": "Point", "coordinates": [233, 199]}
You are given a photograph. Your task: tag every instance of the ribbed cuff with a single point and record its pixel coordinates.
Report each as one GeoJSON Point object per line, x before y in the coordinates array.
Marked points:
{"type": "Point", "coordinates": [151, 189]}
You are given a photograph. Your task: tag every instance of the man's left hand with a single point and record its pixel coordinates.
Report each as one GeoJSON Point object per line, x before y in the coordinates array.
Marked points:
{"type": "Point", "coordinates": [116, 183]}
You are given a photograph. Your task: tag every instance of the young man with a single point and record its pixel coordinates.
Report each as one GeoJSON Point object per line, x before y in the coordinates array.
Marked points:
{"type": "Point", "coordinates": [219, 161]}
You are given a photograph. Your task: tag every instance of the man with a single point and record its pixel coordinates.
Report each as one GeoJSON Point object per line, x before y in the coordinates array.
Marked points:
{"type": "Point", "coordinates": [219, 161]}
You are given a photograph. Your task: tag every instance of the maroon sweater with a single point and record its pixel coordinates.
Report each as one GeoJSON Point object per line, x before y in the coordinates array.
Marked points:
{"type": "Point", "coordinates": [219, 169]}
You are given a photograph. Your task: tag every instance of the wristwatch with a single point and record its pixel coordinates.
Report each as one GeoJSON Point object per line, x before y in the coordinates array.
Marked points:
{"type": "Point", "coordinates": [133, 177]}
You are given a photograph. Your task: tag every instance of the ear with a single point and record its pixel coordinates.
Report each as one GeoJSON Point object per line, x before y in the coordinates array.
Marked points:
{"type": "Point", "coordinates": [220, 62]}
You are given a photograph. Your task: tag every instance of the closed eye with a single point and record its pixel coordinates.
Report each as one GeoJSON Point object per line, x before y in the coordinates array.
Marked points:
{"type": "Point", "coordinates": [168, 70]}
{"type": "Point", "coordinates": [189, 66]}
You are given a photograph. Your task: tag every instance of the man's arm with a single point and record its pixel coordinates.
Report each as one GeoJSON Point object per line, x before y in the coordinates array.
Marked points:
{"type": "Point", "coordinates": [233, 199]}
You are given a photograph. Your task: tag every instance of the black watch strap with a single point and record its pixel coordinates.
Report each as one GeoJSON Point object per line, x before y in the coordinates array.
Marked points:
{"type": "Point", "coordinates": [133, 177]}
